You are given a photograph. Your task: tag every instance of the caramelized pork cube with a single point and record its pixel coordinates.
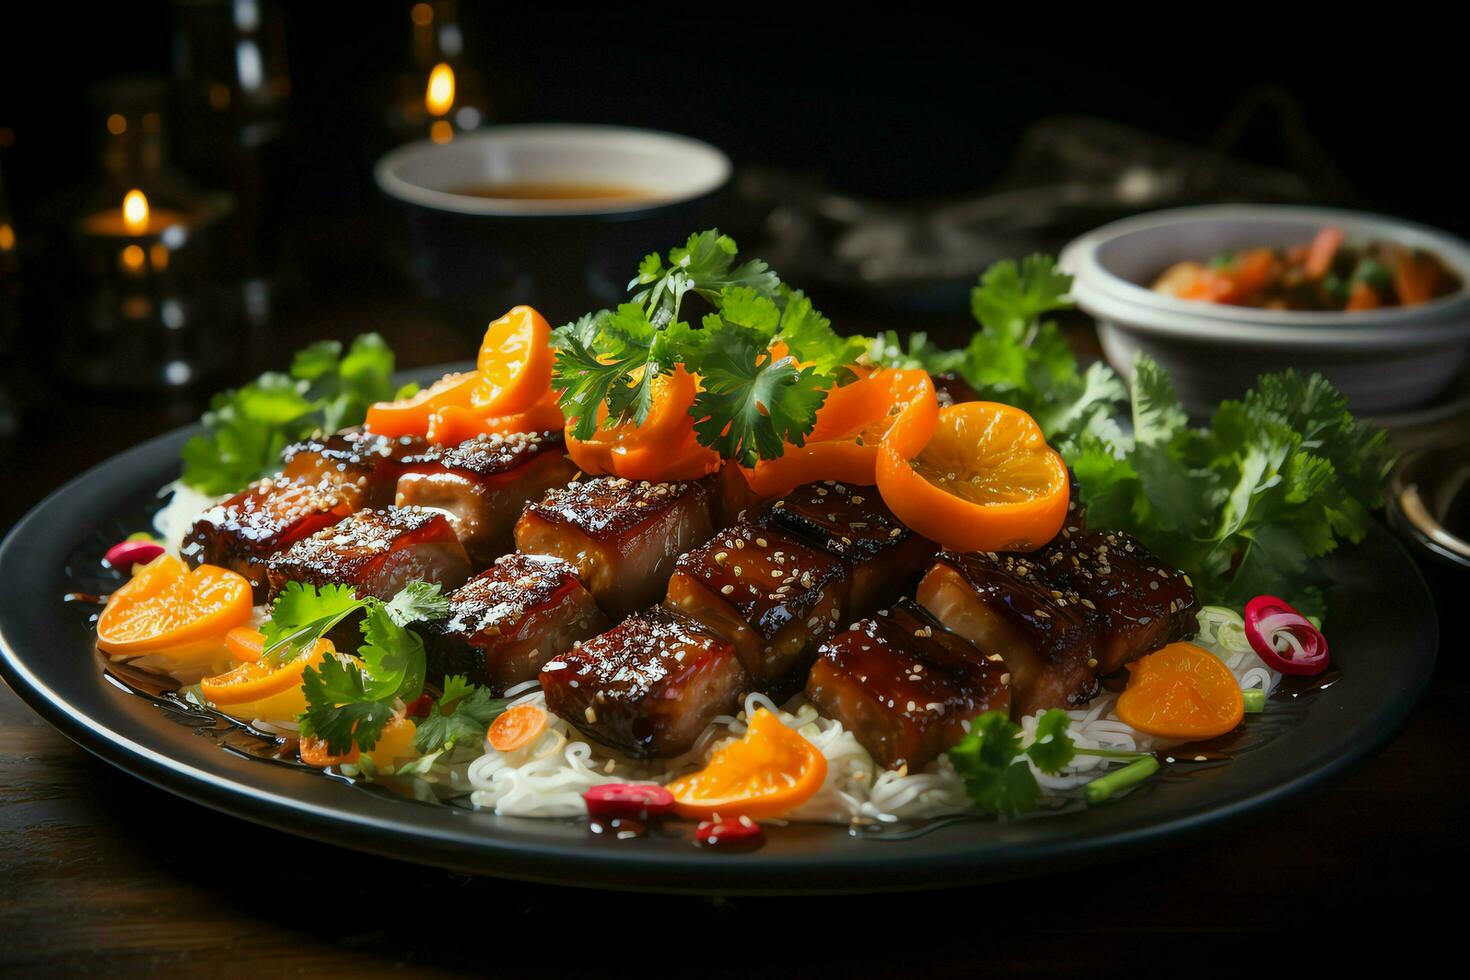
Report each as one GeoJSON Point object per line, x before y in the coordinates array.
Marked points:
{"type": "Point", "coordinates": [377, 552]}
{"type": "Point", "coordinates": [1014, 607]}
{"type": "Point", "coordinates": [647, 687]}
{"type": "Point", "coordinates": [507, 622]}
{"type": "Point", "coordinates": [622, 536]}
{"type": "Point", "coordinates": [243, 532]}
{"type": "Point", "coordinates": [732, 499]}
{"type": "Point", "coordinates": [853, 523]}
{"type": "Point", "coordinates": [1141, 602]}
{"type": "Point", "coordinates": [363, 467]}
{"type": "Point", "coordinates": [483, 484]}
{"type": "Point", "coordinates": [769, 594]}
{"type": "Point", "coordinates": [904, 685]}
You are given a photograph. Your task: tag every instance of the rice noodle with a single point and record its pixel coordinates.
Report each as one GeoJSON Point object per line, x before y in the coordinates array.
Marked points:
{"type": "Point", "coordinates": [176, 517]}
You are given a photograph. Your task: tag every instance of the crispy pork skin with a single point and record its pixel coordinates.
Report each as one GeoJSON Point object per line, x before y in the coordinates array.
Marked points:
{"type": "Point", "coordinates": [647, 687]}
{"type": "Point", "coordinates": [243, 532]}
{"type": "Point", "coordinates": [483, 484]}
{"type": "Point", "coordinates": [363, 467]}
{"type": "Point", "coordinates": [507, 622]}
{"type": "Point", "coordinates": [769, 594]}
{"type": "Point", "coordinates": [853, 523]}
{"type": "Point", "coordinates": [904, 685]}
{"type": "Point", "coordinates": [622, 536]}
{"type": "Point", "coordinates": [1140, 601]}
{"type": "Point", "coordinates": [377, 552]}
{"type": "Point", "coordinates": [1011, 606]}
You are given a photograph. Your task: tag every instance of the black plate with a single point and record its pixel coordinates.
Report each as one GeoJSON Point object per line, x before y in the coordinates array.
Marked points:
{"type": "Point", "coordinates": [1383, 633]}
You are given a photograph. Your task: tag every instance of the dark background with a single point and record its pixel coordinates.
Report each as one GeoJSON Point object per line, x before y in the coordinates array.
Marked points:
{"type": "Point", "coordinates": [896, 103]}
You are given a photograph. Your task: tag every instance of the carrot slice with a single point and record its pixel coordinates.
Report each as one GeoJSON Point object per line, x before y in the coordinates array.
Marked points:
{"type": "Point", "coordinates": [986, 481]}
{"type": "Point", "coordinates": [1181, 691]}
{"type": "Point", "coordinates": [410, 416]}
{"type": "Point", "coordinates": [1362, 297]}
{"type": "Point", "coordinates": [166, 605]}
{"type": "Point", "coordinates": [516, 728]}
{"type": "Point", "coordinates": [1322, 250]}
{"type": "Point", "coordinates": [514, 364]}
{"type": "Point", "coordinates": [770, 771]}
{"type": "Point", "coordinates": [314, 752]}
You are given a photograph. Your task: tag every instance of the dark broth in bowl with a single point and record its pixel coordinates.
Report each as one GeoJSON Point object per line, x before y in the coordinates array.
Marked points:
{"type": "Point", "coordinates": [555, 191]}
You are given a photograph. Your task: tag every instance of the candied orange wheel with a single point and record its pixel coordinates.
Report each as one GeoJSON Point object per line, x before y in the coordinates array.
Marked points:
{"type": "Point", "coordinates": [165, 605]}
{"type": "Point", "coordinates": [514, 364]}
{"type": "Point", "coordinates": [1181, 691]}
{"type": "Point", "coordinates": [850, 425]}
{"type": "Point", "coordinates": [771, 771]}
{"type": "Point", "coordinates": [410, 416]}
{"type": "Point", "coordinates": [985, 481]}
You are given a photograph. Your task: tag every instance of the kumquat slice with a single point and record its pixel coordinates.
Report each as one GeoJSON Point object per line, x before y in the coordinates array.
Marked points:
{"type": "Point", "coordinates": [514, 364]}
{"type": "Point", "coordinates": [1182, 691]}
{"type": "Point", "coordinates": [166, 605]}
{"type": "Point", "coordinates": [771, 771]}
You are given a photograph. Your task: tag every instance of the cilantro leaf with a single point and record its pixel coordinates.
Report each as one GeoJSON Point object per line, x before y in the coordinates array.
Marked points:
{"type": "Point", "coordinates": [247, 428]}
{"type": "Point", "coordinates": [339, 708]}
{"type": "Point", "coordinates": [1052, 749]}
{"type": "Point", "coordinates": [303, 614]}
{"type": "Point", "coordinates": [989, 759]}
{"type": "Point", "coordinates": [462, 713]}
{"type": "Point", "coordinates": [392, 657]}
{"type": "Point", "coordinates": [418, 602]}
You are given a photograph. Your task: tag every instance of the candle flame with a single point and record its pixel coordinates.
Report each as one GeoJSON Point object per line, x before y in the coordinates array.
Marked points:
{"type": "Point", "coordinates": [135, 212]}
{"type": "Point", "coordinates": [439, 98]}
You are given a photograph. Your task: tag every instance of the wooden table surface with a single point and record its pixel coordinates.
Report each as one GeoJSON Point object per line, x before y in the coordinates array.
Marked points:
{"type": "Point", "coordinates": [102, 872]}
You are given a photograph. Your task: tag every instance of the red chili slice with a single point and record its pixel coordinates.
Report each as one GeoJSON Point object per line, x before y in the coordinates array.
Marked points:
{"type": "Point", "coordinates": [636, 800]}
{"type": "Point", "coordinates": [420, 706]}
{"type": "Point", "coordinates": [1268, 619]}
{"type": "Point", "coordinates": [125, 554]}
{"type": "Point", "coordinates": [741, 832]}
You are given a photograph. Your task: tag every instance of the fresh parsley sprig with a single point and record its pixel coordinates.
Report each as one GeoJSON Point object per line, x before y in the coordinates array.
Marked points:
{"type": "Point", "coordinates": [349, 702]}
{"type": "Point", "coordinates": [246, 429]}
{"type": "Point", "coordinates": [753, 400]}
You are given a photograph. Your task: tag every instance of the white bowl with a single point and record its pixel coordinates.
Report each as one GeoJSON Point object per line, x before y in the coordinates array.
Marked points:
{"type": "Point", "coordinates": [1384, 360]}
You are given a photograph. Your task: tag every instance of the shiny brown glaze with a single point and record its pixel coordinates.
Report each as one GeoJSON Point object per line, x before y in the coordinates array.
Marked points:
{"type": "Point", "coordinates": [1011, 606]}
{"type": "Point", "coordinates": [853, 523]}
{"type": "Point", "coordinates": [622, 536]}
{"type": "Point", "coordinates": [362, 466]}
{"type": "Point", "coordinates": [377, 552]}
{"type": "Point", "coordinates": [768, 593]}
{"type": "Point", "coordinates": [482, 485]}
{"type": "Point", "coordinates": [243, 532]}
{"type": "Point", "coordinates": [507, 622]}
{"type": "Point", "coordinates": [732, 500]}
{"type": "Point", "coordinates": [647, 687]}
{"type": "Point", "coordinates": [1141, 602]}
{"type": "Point", "coordinates": [904, 685]}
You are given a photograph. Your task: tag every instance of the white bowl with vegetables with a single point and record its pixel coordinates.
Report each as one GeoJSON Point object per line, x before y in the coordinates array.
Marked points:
{"type": "Point", "coordinates": [1391, 336]}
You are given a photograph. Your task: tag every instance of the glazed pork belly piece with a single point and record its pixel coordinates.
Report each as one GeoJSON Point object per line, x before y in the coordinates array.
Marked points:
{"type": "Point", "coordinates": [243, 532]}
{"type": "Point", "coordinates": [769, 594]}
{"type": "Point", "coordinates": [622, 536]}
{"type": "Point", "coordinates": [649, 686]}
{"type": "Point", "coordinates": [904, 685]}
{"type": "Point", "coordinates": [1079, 609]}
{"type": "Point", "coordinates": [852, 523]}
{"type": "Point", "coordinates": [363, 467]}
{"type": "Point", "coordinates": [507, 622]}
{"type": "Point", "coordinates": [483, 484]}
{"type": "Point", "coordinates": [1141, 602]}
{"type": "Point", "coordinates": [377, 552]}
{"type": "Point", "coordinates": [1015, 607]}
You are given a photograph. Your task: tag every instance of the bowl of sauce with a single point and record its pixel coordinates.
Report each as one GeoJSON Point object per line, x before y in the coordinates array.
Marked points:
{"type": "Point", "coordinates": [510, 214]}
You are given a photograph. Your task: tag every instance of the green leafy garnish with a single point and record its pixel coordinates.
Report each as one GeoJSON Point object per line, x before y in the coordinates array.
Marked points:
{"type": "Point", "coordinates": [246, 429]}
{"type": "Point", "coordinates": [752, 402]}
{"type": "Point", "coordinates": [461, 714]}
{"type": "Point", "coordinates": [348, 703]}
{"type": "Point", "coordinates": [1052, 748]}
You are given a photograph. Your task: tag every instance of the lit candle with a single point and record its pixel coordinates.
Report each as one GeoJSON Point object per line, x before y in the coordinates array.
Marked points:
{"type": "Point", "coordinates": [135, 219]}
{"type": "Point", "coordinates": [439, 99]}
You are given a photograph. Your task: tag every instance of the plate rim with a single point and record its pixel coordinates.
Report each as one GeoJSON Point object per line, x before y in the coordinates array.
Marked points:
{"type": "Point", "coordinates": [886, 866]}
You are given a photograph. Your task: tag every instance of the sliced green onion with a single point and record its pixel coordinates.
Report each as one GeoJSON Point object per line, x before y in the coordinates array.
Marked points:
{"type": "Point", "coordinates": [1104, 787]}
{"type": "Point", "coordinates": [1255, 701]}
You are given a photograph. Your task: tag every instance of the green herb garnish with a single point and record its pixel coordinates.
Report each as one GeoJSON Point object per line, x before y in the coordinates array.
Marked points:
{"type": "Point", "coordinates": [461, 714]}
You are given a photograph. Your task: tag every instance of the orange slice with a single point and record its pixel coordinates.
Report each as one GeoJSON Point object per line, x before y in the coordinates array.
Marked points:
{"type": "Point", "coordinates": [770, 771]}
{"type": "Point", "coordinates": [453, 425]}
{"type": "Point", "coordinates": [165, 606]}
{"type": "Point", "coordinates": [1181, 691]}
{"type": "Point", "coordinates": [257, 680]}
{"type": "Point", "coordinates": [662, 448]}
{"type": "Point", "coordinates": [985, 481]}
{"type": "Point", "coordinates": [514, 364]}
{"type": "Point", "coordinates": [410, 416]}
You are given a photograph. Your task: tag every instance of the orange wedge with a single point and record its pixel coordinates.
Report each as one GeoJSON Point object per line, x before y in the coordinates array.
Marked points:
{"type": "Point", "coordinates": [166, 607]}
{"type": "Point", "coordinates": [410, 416]}
{"type": "Point", "coordinates": [770, 771]}
{"type": "Point", "coordinates": [985, 480]}
{"type": "Point", "coordinates": [514, 364]}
